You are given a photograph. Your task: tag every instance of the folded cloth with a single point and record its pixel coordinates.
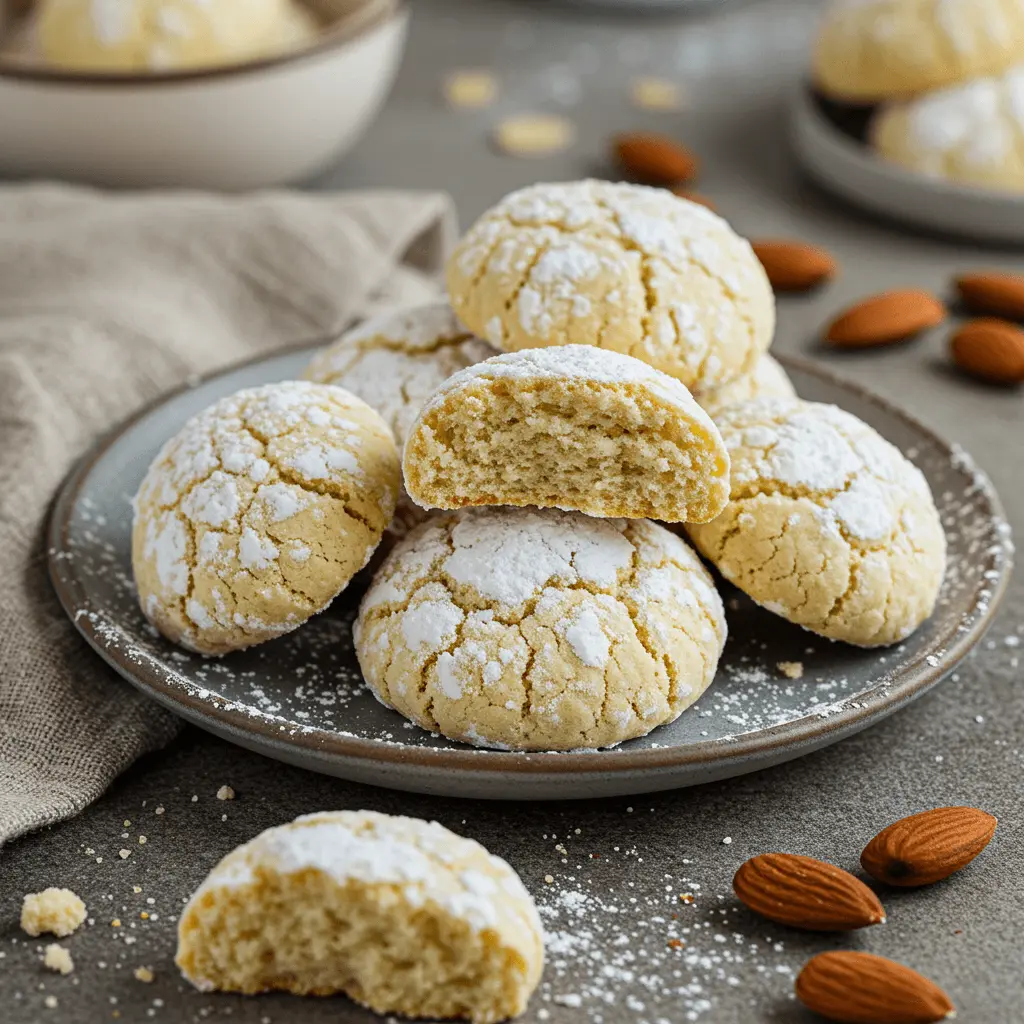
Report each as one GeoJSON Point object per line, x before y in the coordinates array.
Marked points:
{"type": "Point", "coordinates": [107, 300]}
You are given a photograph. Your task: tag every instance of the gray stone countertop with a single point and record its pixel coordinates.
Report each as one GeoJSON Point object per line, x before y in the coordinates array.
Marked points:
{"type": "Point", "coordinates": [609, 874]}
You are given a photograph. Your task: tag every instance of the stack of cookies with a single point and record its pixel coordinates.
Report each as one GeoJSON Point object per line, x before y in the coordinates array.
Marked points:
{"type": "Point", "coordinates": [596, 385]}
{"type": "Point", "coordinates": [949, 76]}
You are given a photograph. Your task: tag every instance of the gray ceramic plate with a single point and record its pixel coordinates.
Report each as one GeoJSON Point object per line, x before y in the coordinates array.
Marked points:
{"type": "Point", "coordinates": [300, 698]}
{"type": "Point", "coordinates": [843, 164]}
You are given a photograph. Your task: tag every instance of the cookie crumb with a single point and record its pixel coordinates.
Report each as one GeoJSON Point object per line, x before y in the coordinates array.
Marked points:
{"type": "Point", "coordinates": [54, 910]}
{"type": "Point", "coordinates": [57, 958]}
{"type": "Point", "coordinates": [225, 793]}
{"type": "Point", "coordinates": [655, 94]}
{"type": "Point", "coordinates": [791, 669]}
{"type": "Point", "coordinates": [727, 841]}
{"type": "Point", "coordinates": [533, 135]}
{"type": "Point", "coordinates": [50, 1002]}
{"type": "Point", "coordinates": [144, 974]}
{"type": "Point", "coordinates": [124, 854]}
{"type": "Point", "coordinates": [470, 89]}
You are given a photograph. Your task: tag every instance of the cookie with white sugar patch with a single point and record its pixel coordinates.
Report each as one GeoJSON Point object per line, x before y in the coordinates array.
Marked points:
{"type": "Point", "coordinates": [537, 629]}
{"type": "Point", "coordinates": [623, 267]}
{"type": "Point", "coordinates": [869, 51]}
{"type": "Point", "coordinates": [401, 915]}
{"type": "Point", "coordinates": [573, 427]}
{"type": "Point", "coordinates": [259, 512]}
{"type": "Point", "coordinates": [828, 524]}
{"type": "Point", "coordinates": [768, 380]}
{"type": "Point", "coordinates": [969, 133]}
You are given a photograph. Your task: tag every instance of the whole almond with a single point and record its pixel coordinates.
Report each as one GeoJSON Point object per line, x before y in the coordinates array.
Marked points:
{"type": "Point", "coordinates": [794, 266]}
{"type": "Point", "coordinates": [885, 318]}
{"type": "Point", "coordinates": [806, 893]}
{"type": "Point", "coordinates": [994, 292]}
{"type": "Point", "coordinates": [860, 988]}
{"type": "Point", "coordinates": [990, 349]}
{"type": "Point", "coordinates": [927, 847]}
{"type": "Point", "coordinates": [654, 159]}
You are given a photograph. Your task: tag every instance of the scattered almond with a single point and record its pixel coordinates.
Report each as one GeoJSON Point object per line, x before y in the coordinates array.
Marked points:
{"type": "Point", "coordinates": [927, 847]}
{"type": "Point", "coordinates": [794, 266]}
{"type": "Point", "coordinates": [990, 349]}
{"type": "Point", "coordinates": [695, 197]}
{"type": "Point", "coordinates": [885, 318]}
{"type": "Point", "coordinates": [805, 893]}
{"type": "Point", "coordinates": [996, 293]}
{"type": "Point", "coordinates": [654, 159]}
{"type": "Point", "coordinates": [860, 988]}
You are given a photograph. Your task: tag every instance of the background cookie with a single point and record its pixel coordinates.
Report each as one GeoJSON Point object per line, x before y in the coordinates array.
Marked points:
{"type": "Point", "coordinates": [873, 50]}
{"type": "Point", "coordinates": [258, 513]}
{"type": "Point", "coordinates": [573, 427]}
{"type": "Point", "coordinates": [540, 630]}
{"type": "Point", "coordinates": [968, 133]}
{"type": "Point", "coordinates": [156, 35]}
{"type": "Point", "coordinates": [828, 524]}
{"type": "Point", "coordinates": [623, 267]}
{"type": "Point", "coordinates": [400, 914]}
{"type": "Point", "coordinates": [768, 380]}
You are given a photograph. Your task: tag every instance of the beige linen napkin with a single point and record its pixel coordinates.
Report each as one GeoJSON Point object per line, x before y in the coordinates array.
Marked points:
{"type": "Point", "coordinates": [105, 302]}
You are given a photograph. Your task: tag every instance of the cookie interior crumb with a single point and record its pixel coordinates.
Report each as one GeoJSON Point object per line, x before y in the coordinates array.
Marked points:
{"type": "Point", "coordinates": [470, 88]}
{"type": "Point", "coordinates": [57, 958]}
{"type": "Point", "coordinates": [791, 669]}
{"type": "Point", "coordinates": [54, 910]}
{"type": "Point", "coordinates": [529, 135]}
{"type": "Point", "coordinates": [656, 94]}
{"type": "Point", "coordinates": [143, 974]}
{"type": "Point", "coordinates": [225, 793]}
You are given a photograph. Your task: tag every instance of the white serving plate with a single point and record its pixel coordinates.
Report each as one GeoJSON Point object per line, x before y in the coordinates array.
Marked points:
{"type": "Point", "coordinates": [235, 127]}
{"type": "Point", "coordinates": [301, 698]}
{"type": "Point", "coordinates": [851, 170]}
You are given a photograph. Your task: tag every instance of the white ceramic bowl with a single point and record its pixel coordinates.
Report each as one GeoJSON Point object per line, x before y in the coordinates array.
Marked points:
{"type": "Point", "coordinates": [235, 127]}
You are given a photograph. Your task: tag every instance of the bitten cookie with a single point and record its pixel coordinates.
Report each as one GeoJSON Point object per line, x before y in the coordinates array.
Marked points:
{"type": "Point", "coordinates": [540, 630]}
{"type": "Point", "coordinates": [401, 915]}
{"type": "Point", "coordinates": [970, 133]}
{"type": "Point", "coordinates": [259, 512]}
{"type": "Point", "coordinates": [768, 380]}
{"type": "Point", "coordinates": [622, 267]}
{"type": "Point", "coordinates": [828, 524]}
{"type": "Point", "coordinates": [395, 362]}
{"type": "Point", "coordinates": [573, 427]}
{"type": "Point", "coordinates": [869, 51]}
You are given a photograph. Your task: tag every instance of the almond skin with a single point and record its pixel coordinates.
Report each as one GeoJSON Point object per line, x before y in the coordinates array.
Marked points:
{"type": "Point", "coordinates": [995, 293]}
{"type": "Point", "coordinates": [928, 847]}
{"type": "Point", "coordinates": [654, 159]}
{"type": "Point", "coordinates": [885, 318]}
{"type": "Point", "coordinates": [805, 893]}
{"type": "Point", "coordinates": [860, 988]}
{"type": "Point", "coordinates": [990, 349]}
{"type": "Point", "coordinates": [794, 266]}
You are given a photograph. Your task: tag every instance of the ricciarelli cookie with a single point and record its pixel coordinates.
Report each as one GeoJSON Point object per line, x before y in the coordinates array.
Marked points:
{"type": "Point", "coordinates": [828, 525]}
{"type": "Point", "coordinates": [401, 915]}
{"type": "Point", "coordinates": [968, 133]}
{"type": "Point", "coordinates": [768, 380]}
{"type": "Point", "coordinates": [259, 512]}
{"type": "Point", "coordinates": [540, 630]}
{"type": "Point", "coordinates": [869, 51]}
{"type": "Point", "coordinates": [622, 267]}
{"type": "Point", "coordinates": [573, 427]}
{"type": "Point", "coordinates": [395, 362]}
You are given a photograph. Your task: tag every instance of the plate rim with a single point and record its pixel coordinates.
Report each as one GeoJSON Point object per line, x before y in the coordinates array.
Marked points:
{"type": "Point", "coordinates": [809, 730]}
{"type": "Point", "coordinates": [811, 133]}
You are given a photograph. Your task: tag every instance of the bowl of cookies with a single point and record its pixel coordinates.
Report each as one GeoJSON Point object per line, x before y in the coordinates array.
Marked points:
{"type": "Point", "coordinates": [916, 111]}
{"type": "Point", "coordinates": [172, 93]}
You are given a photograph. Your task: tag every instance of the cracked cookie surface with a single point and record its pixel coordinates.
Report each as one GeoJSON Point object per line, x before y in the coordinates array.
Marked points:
{"type": "Point", "coordinates": [395, 362]}
{"type": "Point", "coordinates": [258, 513]}
{"type": "Point", "coordinates": [572, 427]}
{"type": "Point", "coordinates": [540, 630]}
{"type": "Point", "coordinates": [622, 267]}
{"type": "Point", "coordinates": [873, 50]}
{"type": "Point", "coordinates": [828, 524]}
{"type": "Point", "coordinates": [400, 914]}
{"type": "Point", "coordinates": [768, 380]}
